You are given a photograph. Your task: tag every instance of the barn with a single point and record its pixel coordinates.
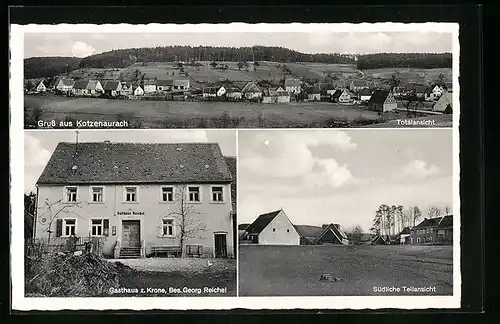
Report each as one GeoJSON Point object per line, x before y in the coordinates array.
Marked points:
{"type": "Point", "coordinates": [274, 228]}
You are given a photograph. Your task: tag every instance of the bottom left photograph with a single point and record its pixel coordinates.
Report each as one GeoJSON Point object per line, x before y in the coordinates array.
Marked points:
{"type": "Point", "coordinates": [130, 213]}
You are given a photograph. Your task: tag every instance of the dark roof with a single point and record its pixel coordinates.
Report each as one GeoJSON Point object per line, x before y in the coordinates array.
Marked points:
{"type": "Point", "coordinates": [107, 162]}
{"type": "Point", "coordinates": [211, 90]}
{"type": "Point", "coordinates": [292, 82]}
{"type": "Point", "coordinates": [337, 93]}
{"type": "Point", "coordinates": [261, 222]}
{"type": "Point", "coordinates": [80, 84]}
{"type": "Point", "coordinates": [365, 92]}
{"type": "Point", "coordinates": [420, 89]}
{"type": "Point", "coordinates": [110, 85]}
{"type": "Point", "coordinates": [251, 87]}
{"type": "Point", "coordinates": [312, 90]}
{"type": "Point", "coordinates": [336, 229]}
{"type": "Point", "coordinates": [309, 231]}
{"type": "Point", "coordinates": [360, 83]}
{"type": "Point", "coordinates": [405, 230]}
{"type": "Point", "coordinates": [379, 96]}
{"type": "Point", "coordinates": [242, 227]}
{"type": "Point", "coordinates": [428, 222]}
{"type": "Point", "coordinates": [447, 221]}
{"type": "Point", "coordinates": [231, 164]}
{"type": "Point", "coordinates": [165, 82]}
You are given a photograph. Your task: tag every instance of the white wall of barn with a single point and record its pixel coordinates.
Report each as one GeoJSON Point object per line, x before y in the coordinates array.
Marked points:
{"type": "Point", "coordinates": [276, 232]}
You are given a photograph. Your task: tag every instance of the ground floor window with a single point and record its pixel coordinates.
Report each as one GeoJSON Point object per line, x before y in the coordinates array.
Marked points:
{"type": "Point", "coordinates": [69, 227]}
{"type": "Point", "coordinates": [97, 227]}
{"type": "Point", "coordinates": [168, 227]}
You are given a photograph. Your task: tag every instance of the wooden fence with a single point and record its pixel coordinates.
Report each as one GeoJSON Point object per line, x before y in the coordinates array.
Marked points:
{"type": "Point", "coordinates": [36, 248]}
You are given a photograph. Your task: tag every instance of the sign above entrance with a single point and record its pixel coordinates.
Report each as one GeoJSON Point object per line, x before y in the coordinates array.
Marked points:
{"type": "Point", "coordinates": [134, 213]}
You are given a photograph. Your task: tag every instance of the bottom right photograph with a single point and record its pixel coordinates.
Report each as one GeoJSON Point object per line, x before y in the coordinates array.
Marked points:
{"type": "Point", "coordinates": [346, 213]}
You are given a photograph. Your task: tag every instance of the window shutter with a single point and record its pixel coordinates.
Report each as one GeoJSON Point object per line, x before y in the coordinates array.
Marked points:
{"type": "Point", "coordinates": [59, 223]}
{"type": "Point", "coordinates": [106, 227]}
{"type": "Point", "coordinates": [160, 229]}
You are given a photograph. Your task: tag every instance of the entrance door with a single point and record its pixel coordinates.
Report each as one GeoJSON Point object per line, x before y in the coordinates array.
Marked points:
{"type": "Point", "coordinates": [220, 245]}
{"type": "Point", "coordinates": [131, 236]}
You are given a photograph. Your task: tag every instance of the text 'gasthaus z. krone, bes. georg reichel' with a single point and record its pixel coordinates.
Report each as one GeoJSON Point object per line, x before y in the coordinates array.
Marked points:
{"type": "Point", "coordinates": [169, 290]}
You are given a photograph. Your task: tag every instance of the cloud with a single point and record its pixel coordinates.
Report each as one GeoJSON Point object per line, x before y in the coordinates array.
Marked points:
{"type": "Point", "coordinates": [330, 173]}
{"type": "Point", "coordinates": [82, 49]}
{"type": "Point", "coordinates": [35, 159]}
{"type": "Point", "coordinates": [419, 169]}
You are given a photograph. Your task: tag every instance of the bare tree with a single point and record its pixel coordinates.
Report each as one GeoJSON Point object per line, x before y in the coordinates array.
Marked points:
{"type": "Point", "coordinates": [187, 219]}
{"type": "Point", "coordinates": [400, 217]}
{"type": "Point", "coordinates": [52, 212]}
{"type": "Point", "coordinates": [447, 210]}
{"type": "Point", "coordinates": [416, 214]}
{"type": "Point", "coordinates": [357, 234]}
{"type": "Point", "coordinates": [434, 211]}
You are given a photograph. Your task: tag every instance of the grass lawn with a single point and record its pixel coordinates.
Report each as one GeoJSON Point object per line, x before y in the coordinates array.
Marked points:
{"type": "Point", "coordinates": [296, 270]}
{"type": "Point", "coordinates": [180, 114]}
{"type": "Point", "coordinates": [159, 277]}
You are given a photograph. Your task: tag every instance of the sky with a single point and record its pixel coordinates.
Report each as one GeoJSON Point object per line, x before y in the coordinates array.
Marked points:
{"type": "Point", "coordinates": [39, 145]}
{"type": "Point", "coordinates": [330, 176]}
{"type": "Point", "coordinates": [85, 44]}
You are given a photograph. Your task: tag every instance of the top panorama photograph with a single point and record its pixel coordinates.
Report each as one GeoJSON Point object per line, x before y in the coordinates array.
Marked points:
{"type": "Point", "coordinates": [238, 80]}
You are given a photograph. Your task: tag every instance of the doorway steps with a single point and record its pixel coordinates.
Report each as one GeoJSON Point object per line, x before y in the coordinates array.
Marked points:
{"type": "Point", "coordinates": [130, 252]}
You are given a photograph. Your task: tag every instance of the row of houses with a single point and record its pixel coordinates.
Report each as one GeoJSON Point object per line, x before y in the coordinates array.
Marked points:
{"type": "Point", "coordinates": [275, 228]}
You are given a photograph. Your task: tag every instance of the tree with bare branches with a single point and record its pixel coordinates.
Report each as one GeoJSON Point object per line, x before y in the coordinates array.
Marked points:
{"type": "Point", "coordinates": [187, 219]}
{"type": "Point", "coordinates": [52, 211]}
{"type": "Point", "coordinates": [434, 211]}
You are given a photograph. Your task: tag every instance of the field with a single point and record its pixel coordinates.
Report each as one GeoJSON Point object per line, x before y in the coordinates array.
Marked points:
{"type": "Point", "coordinates": [296, 270]}
{"type": "Point", "coordinates": [420, 76]}
{"type": "Point", "coordinates": [179, 114]}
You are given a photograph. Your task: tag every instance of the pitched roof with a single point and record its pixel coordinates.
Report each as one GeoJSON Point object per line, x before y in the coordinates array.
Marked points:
{"type": "Point", "coordinates": [420, 89]}
{"type": "Point", "coordinates": [66, 82]}
{"type": "Point", "coordinates": [150, 82]}
{"type": "Point", "coordinates": [379, 96]}
{"type": "Point", "coordinates": [233, 89]}
{"type": "Point", "coordinates": [251, 87]}
{"type": "Point", "coordinates": [261, 222]}
{"type": "Point", "coordinates": [336, 229]}
{"type": "Point", "coordinates": [337, 93]}
{"type": "Point", "coordinates": [107, 162]}
{"type": "Point", "coordinates": [231, 164]}
{"type": "Point", "coordinates": [446, 221]}
{"type": "Point", "coordinates": [92, 84]}
{"type": "Point", "coordinates": [312, 90]}
{"type": "Point", "coordinates": [308, 231]}
{"type": "Point", "coordinates": [243, 227]}
{"type": "Point", "coordinates": [181, 83]}
{"type": "Point", "coordinates": [211, 90]}
{"type": "Point", "coordinates": [292, 82]}
{"type": "Point", "coordinates": [359, 83]}
{"type": "Point", "coordinates": [80, 84]}
{"type": "Point", "coordinates": [165, 82]}
{"type": "Point", "coordinates": [365, 92]}
{"type": "Point", "coordinates": [110, 85]}
{"type": "Point", "coordinates": [405, 230]}
{"type": "Point", "coordinates": [428, 222]}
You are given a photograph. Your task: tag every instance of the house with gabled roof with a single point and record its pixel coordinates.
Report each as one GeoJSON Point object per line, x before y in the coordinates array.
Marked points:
{"type": "Point", "coordinates": [357, 85]}
{"type": "Point", "coordinates": [209, 92]}
{"type": "Point", "coordinates": [313, 93]}
{"type": "Point", "coordinates": [64, 85]}
{"type": "Point", "coordinates": [365, 94]}
{"type": "Point", "coordinates": [112, 87]}
{"type": "Point", "coordinates": [444, 103]}
{"type": "Point", "coordinates": [138, 198]}
{"type": "Point", "coordinates": [274, 228]}
{"type": "Point", "coordinates": [332, 234]}
{"type": "Point", "coordinates": [87, 88]}
{"type": "Point", "coordinates": [251, 91]}
{"type": "Point", "coordinates": [382, 101]}
{"type": "Point", "coordinates": [293, 85]}
{"type": "Point", "coordinates": [41, 87]}
{"type": "Point", "coordinates": [275, 95]}
{"type": "Point", "coordinates": [438, 230]}
{"type": "Point", "coordinates": [342, 96]}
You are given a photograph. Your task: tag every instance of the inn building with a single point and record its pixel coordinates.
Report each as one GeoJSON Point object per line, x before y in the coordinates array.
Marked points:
{"type": "Point", "coordinates": [138, 199]}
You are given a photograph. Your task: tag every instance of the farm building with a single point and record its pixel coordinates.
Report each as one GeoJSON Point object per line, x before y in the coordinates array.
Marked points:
{"type": "Point", "coordinates": [41, 87]}
{"type": "Point", "coordinates": [274, 228]}
{"type": "Point", "coordinates": [444, 104]}
{"type": "Point", "coordinates": [149, 86]}
{"type": "Point", "coordinates": [365, 94]}
{"type": "Point", "coordinates": [234, 93]}
{"type": "Point", "coordinates": [332, 234]}
{"type": "Point", "coordinates": [342, 96]}
{"type": "Point", "coordinates": [87, 88]}
{"type": "Point", "coordinates": [358, 85]}
{"type": "Point", "coordinates": [313, 94]}
{"type": "Point", "coordinates": [134, 206]}
{"type": "Point", "coordinates": [251, 91]}
{"type": "Point", "coordinates": [399, 91]}
{"type": "Point", "coordinates": [242, 230]}
{"type": "Point", "coordinates": [112, 88]}
{"type": "Point", "coordinates": [293, 85]}
{"type": "Point", "coordinates": [382, 101]}
{"type": "Point", "coordinates": [137, 90]}
{"type": "Point", "coordinates": [64, 85]}
{"type": "Point", "coordinates": [221, 92]}
{"type": "Point", "coordinates": [437, 230]}
{"type": "Point", "coordinates": [164, 85]}
{"type": "Point", "coordinates": [420, 91]}
{"type": "Point", "coordinates": [127, 88]}
{"type": "Point", "coordinates": [210, 92]}
{"type": "Point", "coordinates": [274, 95]}
{"type": "Point", "coordinates": [404, 236]}
{"type": "Point", "coordinates": [308, 234]}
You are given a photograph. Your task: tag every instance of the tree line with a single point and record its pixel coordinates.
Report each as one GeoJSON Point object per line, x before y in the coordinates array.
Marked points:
{"type": "Point", "coordinates": [40, 67]}
{"type": "Point", "coordinates": [404, 60]}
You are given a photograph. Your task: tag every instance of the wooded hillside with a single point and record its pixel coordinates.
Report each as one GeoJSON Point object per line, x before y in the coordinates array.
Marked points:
{"type": "Point", "coordinates": [40, 67]}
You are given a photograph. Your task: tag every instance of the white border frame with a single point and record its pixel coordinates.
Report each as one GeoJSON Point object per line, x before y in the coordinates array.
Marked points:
{"type": "Point", "coordinates": [20, 302]}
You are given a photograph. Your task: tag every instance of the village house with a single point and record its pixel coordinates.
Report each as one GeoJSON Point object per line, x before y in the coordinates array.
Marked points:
{"type": "Point", "coordinates": [149, 86]}
{"type": "Point", "coordinates": [313, 94]}
{"type": "Point", "coordinates": [275, 95]}
{"type": "Point", "coordinates": [41, 87]}
{"type": "Point", "coordinates": [112, 88]}
{"type": "Point", "coordinates": [444, 104]}
{"type": "Point", "coordinates": [382, 101]}
{"type": "Point", "coordinates": [420, 91]}
{"type": "Point", "coordinates": [437, 230]}
{"type": "Point", "coordinates": [358, 85]}
{"type": "Point", "coordinates": [138, 199]}
{"type": "Point", "coordinates": [251, 91]}
{"type": "Point", "coordinates": [64, 85]}
{"type": "Point", "coordinates": [274, 228]}
{"type": "Point", "coordinates": [221, 91]}
{"type": "Point", "coordinates": [293, 86]}
{"type": "Point", "coordinates": [404, 236]}
{"type": "Point", "coordinates": [399, 92]}
{"type": "Point", "coordinates": [332, 234]}
{"type": "Point", "coordinates": [137, 90]}
{"type": "Point", "coordinates": [343, 96]}
{"type": "Point", "coordinates": [210, 92]}
{"type": "Point", "coordinates": [164, 85]}
{"type": "Point", "coordinates": [127, 88]}
{"type": "Point", "coordinates": [87, 88]}
{"type": "Point", "coordinates": [234, 93]}
{"type": "Point", "coordinates": [365, 94]}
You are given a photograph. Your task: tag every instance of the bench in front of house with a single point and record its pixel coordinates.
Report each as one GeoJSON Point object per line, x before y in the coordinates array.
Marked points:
{"type": "Point", "coordinates": [194, 250]}
{"type": "Point", "coordinates": [166, 249]}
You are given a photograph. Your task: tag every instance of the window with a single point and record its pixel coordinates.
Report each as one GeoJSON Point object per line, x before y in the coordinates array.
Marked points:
{"type": "Point", "coordinates": [167, 194]}
{"type": "Point", "coordinates": [288, 231]}
{"type": "Point", "coordinates": [71, 194]}
{"type": "Point", "coordinates": [97, 227]}
{"type": "Point", "coordinates": [130, 194]}
{"type": "Point", "coordinates": [69, 227]}
{"type": "Point", "coordinates": [97, 194]}
{"type": "Point", "coordinates": [168, 227]}
{"type": "Point", "coordinates": [274, 230]}
{"type": "Point", "coordinates": [194, 194]}
{"type": "Point", "coordinates": [217, 194]}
